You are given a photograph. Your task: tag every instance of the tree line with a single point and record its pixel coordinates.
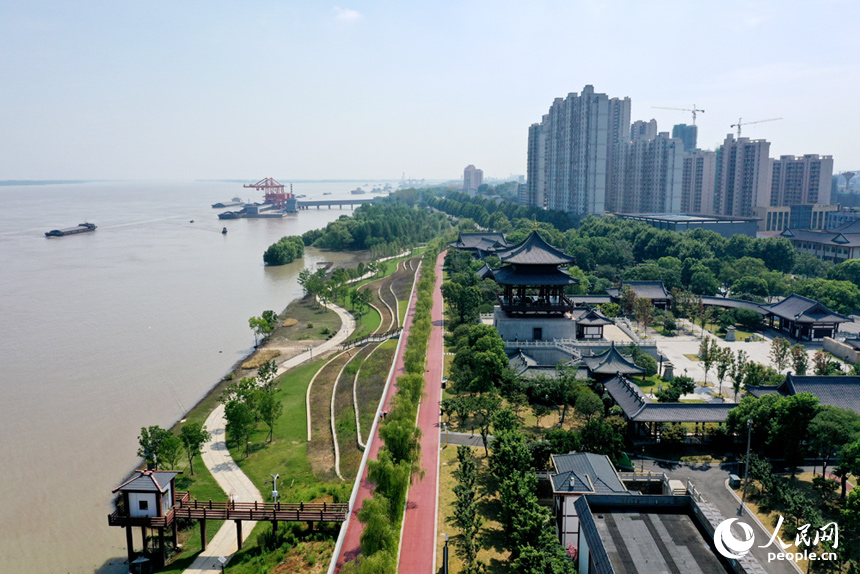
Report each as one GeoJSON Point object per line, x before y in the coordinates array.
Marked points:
{"type": "Point", "coordinates": [379, 223]}
{"type": "Point", "coordinates": [285, 250]}
{"type": "Point", "coordinates": [700, 262]}
{"type": "Point", "coordinates": [399, 456]}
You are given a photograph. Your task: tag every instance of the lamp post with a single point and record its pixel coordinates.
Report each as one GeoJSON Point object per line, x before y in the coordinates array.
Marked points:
{"type": "Point", "coordinates": [746, 467]}
{"type": "Point", "coordinates": [275, 478]}
{"type": "Point", "coordinates": [445, 555]}
{"type": "Point", "coordinates": [311, 349]}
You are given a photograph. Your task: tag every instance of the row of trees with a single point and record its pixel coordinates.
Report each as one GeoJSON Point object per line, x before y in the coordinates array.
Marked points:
{"type": "Point", "coordinates": [286, 250]}
{"type": "Point", "coordinates": [379, 223]}
{"type": "Point", "coordinates": [399, 456]}
{"type": "Point", "coordinates": [703, 262]}
{"type": "Point", "coordinates": [160, 448]}
{"type": "Point", "coordinates": [249, 401]}
{"type": "Point", "coordinates": [492, 214]}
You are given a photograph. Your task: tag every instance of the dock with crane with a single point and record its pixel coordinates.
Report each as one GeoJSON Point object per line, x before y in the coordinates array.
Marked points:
{"type": "Point", "coordinates": [277, 202]}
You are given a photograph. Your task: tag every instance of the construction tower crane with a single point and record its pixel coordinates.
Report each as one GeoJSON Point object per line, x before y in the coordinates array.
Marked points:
{"type": "Point", "coordinates": [742, 123]}
{"type": "Point", "coordinates": [694, 109]}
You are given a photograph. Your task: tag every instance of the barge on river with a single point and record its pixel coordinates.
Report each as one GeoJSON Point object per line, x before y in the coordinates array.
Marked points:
{"type": "Point", "coordinates": [81, 228]}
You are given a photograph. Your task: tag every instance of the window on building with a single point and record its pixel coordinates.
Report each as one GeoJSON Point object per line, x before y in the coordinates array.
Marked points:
{"type": "Point", "coordinates": [537, 333]}
{"type": "Point", "coordinates": [144, 504]}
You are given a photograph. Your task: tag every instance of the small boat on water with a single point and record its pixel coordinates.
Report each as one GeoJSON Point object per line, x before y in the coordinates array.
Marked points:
{"type": "Point", "coordinates": [224, 231]}
{"type": "Point", "coordinates": [81, 228]}
{"type": "Point", "coordinates": [327, 193]}
{"type": "Point", "coordinates": [357, 191]}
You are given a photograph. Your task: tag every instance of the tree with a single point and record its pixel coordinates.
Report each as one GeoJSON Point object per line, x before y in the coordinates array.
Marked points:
{"type": "Point", "coordinates": [484, 408]}
{"type": "Point", "coordinates": [260, 327]}
{"type": "Point", "coordinates": [377, 536]}
{"type": "Point", "coordinates": [779, 353]}
{"type": "Point", "coordinates": [266, 374]}
{"type": "Point", "coordinates": [738, 372]}
{"type": "Point", "coordinates": [724, 359]}
{"type": "Point", "coordinates": [170, 450]}
{"type": "Point", "coordinates": [270, 408]}
{"type": "Point", "coordinates": [588, 404]}
{"type": "Point", "coordinates": [627, 299]}
{"type": "Point", "coordinates": [150, 440]}
{"type": "Point", "coordinates": [821, 362]}
{"type": "Point", "coordinates": [831, 430]}
{"type": "Point", "coordinates": [193, 437]}
{"type": "Point", "coordinates": [240, 423]}
{"type": "Point", "coordinates": [466, 515]}
{"type": "Point", "coordinates": [799, 360]}
{"type": "Point", "coordinates": [540, 411]}
{"type": "Point", "coordinates": [600, 436]}
{"type": "Point", "coordinates": [673, 434]}
{"type": "Point", "coordinates": [643, 310]}
{"type": "Point", "coordinates": [708, 350]}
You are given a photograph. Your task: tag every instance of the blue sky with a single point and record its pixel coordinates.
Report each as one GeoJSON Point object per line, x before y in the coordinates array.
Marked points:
{"type": "Point", "coordinates": [312, 90]}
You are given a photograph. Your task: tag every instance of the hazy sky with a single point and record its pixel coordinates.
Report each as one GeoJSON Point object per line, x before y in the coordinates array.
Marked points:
{"type": "Point", "coordinates": [310, 90]}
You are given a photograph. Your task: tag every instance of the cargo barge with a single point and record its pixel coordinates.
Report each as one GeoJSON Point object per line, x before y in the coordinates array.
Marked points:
{"type": "Point", "coordinates": [81, 228]}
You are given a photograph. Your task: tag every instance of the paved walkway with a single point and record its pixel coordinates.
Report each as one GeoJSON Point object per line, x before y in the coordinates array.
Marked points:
{"type": "Point", "coordinates": [418, 539]}
{"type": "Point", "coordinates": [351, 546]}
{"type": "Point", "coordinates": [227, 473]}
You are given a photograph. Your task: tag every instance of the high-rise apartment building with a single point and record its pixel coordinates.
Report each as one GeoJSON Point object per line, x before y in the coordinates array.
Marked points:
{"type": "Point", "coordinates": [697, 188]}
{"type": "Point", "coordinates": [571, 151]}
{"type": "Point", "coordinates": [472, 179]}
{"type": "Point", "coordinates": [648, 175]}
{"type": "Point", "coordinates": [743, 176]}
{"type": "Point", "coordinates": [642, 130]}
{"type": "Point", "coordinates": [801, 180]}
{"type": "Point", "coordinates": [687, 134]}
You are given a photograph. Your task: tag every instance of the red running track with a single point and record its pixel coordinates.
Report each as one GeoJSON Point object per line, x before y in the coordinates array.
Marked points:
{"type": "Point", "coordinates": [352, 540]}
{"type": "Point", "coordinates": [418, 539]}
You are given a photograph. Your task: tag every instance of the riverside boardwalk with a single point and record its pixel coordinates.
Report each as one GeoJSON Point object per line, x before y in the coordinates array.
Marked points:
{"type": "Point", "coordinates": [418, 539]}
{"type": "Point", "coordinates": [352, 539]}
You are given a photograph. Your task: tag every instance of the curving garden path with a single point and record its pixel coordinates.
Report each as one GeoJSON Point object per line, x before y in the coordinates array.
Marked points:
{"type": "Point", "coordinates": [227, 473]}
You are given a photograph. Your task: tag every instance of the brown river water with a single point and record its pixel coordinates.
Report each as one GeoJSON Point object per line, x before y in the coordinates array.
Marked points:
{"type": "Point", "coordinates": [103, 333]}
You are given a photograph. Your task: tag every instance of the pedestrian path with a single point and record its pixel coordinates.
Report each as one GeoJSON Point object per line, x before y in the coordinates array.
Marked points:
{"type": "Point", "coordinates": [227, 473]}
{"type": "Point", "coordinates": [418, 539]}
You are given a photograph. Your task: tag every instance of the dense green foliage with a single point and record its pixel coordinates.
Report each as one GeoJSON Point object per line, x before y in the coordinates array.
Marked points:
{"type": "Point", "coordinates": [399, 456]}
{"type": "Point", "coordinates": [379, 223]}
{"type": "Point", "coordinates": [286, 250]}
{"type": "Point", "coordinates": [699, 262]}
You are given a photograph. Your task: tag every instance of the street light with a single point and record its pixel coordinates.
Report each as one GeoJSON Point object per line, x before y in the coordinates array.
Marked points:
{"type": "Point", "coordinates": [311, 349]}
{"type": "Point", "coordinates": [746, 466]}
{"type": "Point", "coordinates": [275, 478]}
{"type": "Point", "coordinates": [445, 555]}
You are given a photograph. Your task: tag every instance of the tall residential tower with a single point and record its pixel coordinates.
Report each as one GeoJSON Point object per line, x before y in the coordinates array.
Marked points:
{"type": "Point", "coordinates": [743, 176]}
{"type": "Point", "coordinates": [571, 151]}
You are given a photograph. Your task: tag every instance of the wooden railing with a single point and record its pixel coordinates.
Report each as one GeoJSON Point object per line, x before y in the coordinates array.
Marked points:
{"type": "Point", "coordinates": [287, 512]}
{"type": "Point", "coordinates": [186, 507]}
{"type": "Point", "coordinates": [370, 339]}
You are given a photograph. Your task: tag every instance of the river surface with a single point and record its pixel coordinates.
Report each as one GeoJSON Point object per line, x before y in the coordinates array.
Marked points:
{"type": "Point", "coordinates": [103, 333]}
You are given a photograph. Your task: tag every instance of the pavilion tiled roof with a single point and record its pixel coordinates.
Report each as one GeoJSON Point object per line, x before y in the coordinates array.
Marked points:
{"type": "Point", "coordinates": [585, 472]}
{"type": "Point", "coordinates": [639, 408]}
{"type": "Point", "coordinates": [488, 241]}
{"type": "Point", "coordinates": [648, 289]}
{"type": "Point", "coordinates": [846, 235]}
{"type": "Point", "coordinates": [148, 481]}
{"type": "Point", "coordinates": [804, 310]}
{"type": "Point", "coordinates": [612, 362]}
{"type": "Point", "coordinates": [835, 390]}
{"type": "Point", "coordinates": [534, 250]}
{"type": "Point", "coordinates": [591, 317]}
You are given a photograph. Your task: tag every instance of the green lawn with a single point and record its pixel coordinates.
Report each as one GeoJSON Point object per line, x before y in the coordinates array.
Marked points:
{"type": "Point", "coordinates": [287, 455]}
{"type": "Point", "coordinates": [650, 384]}
{"type": "Point", "coordinates": [367, 324]}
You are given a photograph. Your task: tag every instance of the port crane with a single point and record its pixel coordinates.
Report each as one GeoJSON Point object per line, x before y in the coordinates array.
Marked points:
{"type": "Point", "coordinates": [274, 191]}
{"type": "Point", "coordinates": [694, 109]}
{"type": "Point", "coordinates": [742, 123]}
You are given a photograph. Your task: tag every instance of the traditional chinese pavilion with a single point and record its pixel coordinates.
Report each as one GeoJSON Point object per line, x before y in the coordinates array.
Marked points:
{"type": "Point", "coordinates": [532, 281]}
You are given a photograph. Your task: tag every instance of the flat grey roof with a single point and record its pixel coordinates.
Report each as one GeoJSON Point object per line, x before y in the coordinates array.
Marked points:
{"type": "Point", "coordinates": [654, 542]}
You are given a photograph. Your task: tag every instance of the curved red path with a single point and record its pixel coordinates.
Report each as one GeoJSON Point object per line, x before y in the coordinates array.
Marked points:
{"type": "Point", "coordinates": [418, 540]}
{"type": "Point", "coordinates": [352, 540]}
